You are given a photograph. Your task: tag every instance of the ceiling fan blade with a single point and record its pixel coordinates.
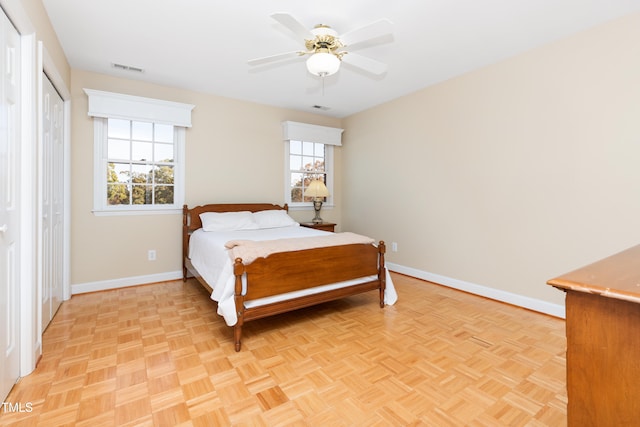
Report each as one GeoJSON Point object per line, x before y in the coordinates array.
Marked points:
{"type": "Point", "coordinates": [367, 64]}
{"type": "Point", "coordinates": [293, 25]}
{"type": "Point", "coordinates": [374, 30]}
{"type": "Point", "coordinates": [273, 58]}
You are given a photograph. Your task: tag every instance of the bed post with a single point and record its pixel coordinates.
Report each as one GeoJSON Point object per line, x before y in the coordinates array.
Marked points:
{"type": "Point", "coordinates": [382, 273]}
{"type": "Point", "coordinates": [185, 240]}
{"type": "Point", "coordinates": [238, 271]}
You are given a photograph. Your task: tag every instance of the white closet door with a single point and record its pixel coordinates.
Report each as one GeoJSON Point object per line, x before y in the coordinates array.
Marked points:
{"type": "Point", "coordinates": [9, 205]}
{"type": "Point", "coordinates": [51, 201]}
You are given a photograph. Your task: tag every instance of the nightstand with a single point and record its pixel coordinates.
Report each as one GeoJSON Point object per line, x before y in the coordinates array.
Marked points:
{"type": "Point", "coordinates": [325, 226]}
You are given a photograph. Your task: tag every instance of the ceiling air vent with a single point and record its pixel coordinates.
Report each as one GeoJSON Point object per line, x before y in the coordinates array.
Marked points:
{"type": "Point", "coordinates": [320, 107]}
{"type": "Point", "coordinates": [127, 68]}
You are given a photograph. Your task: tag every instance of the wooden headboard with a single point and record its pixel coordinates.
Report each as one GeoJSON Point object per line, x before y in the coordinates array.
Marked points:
{"type": "Point", "coordinates": [191, 219]}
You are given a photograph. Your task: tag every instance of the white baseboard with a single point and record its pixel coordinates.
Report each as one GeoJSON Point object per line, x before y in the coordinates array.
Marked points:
{"type": "Point", "coordinates": [103, 285]}
{"type": "Point", "coordinates": [540, 306]}
{"type": "Point", "coordinates": [484, 291]}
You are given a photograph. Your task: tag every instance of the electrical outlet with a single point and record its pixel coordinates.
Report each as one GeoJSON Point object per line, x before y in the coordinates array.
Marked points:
{"type": "Point", "coordinates": [394, 247]}
{"type": "Point", "coordinates": [151, 255]}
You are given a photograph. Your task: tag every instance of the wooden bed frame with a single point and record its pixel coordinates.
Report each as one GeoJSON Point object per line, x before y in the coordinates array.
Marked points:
{"type": "Point", "coordinates": [284, 272]}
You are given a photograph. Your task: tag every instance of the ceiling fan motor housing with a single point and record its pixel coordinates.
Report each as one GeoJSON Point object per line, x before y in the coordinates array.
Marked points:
{"type": "Point", "coordinates": [325, 38]}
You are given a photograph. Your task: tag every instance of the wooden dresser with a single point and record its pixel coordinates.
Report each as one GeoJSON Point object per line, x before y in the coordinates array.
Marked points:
{"type": "Point", "coordinates": [603, 341]}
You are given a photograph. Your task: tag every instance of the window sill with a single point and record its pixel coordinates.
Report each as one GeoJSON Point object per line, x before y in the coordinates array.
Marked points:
{"type": "Point", "coordinates": [127, 212]}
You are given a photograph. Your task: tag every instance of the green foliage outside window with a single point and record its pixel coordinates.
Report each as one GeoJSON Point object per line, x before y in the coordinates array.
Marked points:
{"type": "Point", "coordinates": [140, 188]}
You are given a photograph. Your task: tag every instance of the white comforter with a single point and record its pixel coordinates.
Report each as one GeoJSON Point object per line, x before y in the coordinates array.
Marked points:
{"type": "Point", "coordinates": [213, 261]}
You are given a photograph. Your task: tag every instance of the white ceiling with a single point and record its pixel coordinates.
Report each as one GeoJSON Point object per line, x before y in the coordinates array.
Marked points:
{"type": "Point", "coordinates": [204, 45]}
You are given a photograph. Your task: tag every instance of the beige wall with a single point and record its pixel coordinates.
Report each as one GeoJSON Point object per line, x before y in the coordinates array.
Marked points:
{"type": "Point", "coordinates": [510, 175]}
{"type": "Point", "coordinates": [234, 153]}
{"type": "Point", "coordinates": [503, 177]}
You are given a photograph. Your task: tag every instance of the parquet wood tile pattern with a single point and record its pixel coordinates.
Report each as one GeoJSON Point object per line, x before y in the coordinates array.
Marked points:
{"type": "Point", "coordinates": [158, 355]}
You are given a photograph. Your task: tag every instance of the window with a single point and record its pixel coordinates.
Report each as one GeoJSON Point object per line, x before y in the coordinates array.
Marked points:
{"type": "Point", "coordinates": [140, 163]}
{"type": "Point", "coordinates": [138, 154]}
{"type": "Point", "coordinates": [308, 156]}
{"type": "Point", "coordinates": [308, 161]}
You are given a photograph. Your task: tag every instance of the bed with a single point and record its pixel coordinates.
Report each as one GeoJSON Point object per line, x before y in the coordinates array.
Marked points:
{"type": "Point", "coordinates": [256, 262]}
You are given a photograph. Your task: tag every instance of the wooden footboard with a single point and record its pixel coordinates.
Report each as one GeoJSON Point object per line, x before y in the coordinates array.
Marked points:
{"type": "Point", "coordinates": [285, 272]}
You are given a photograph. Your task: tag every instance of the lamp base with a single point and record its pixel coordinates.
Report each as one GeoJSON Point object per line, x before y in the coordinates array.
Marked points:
{"type": "Point", "coordinates": [317, 205]}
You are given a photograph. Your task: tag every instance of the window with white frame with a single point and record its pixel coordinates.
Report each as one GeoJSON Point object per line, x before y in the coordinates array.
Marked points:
{"type": "Point", "coordinates": [308, 156]}
{"type": "Point", "coordinates": [308, 161]}
{"type": "Point", "coordinates": [141, 162]}
{"type": "Point", "coordinates": [138, 153]}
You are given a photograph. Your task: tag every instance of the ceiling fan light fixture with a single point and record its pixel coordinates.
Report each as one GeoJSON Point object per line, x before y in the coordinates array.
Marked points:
{"type": "Point", "coordinates": [323, 64]}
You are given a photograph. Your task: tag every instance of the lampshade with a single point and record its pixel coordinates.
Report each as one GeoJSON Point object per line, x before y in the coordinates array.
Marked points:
{"type": "Point", "coordinates": [323, 63]}
{"type": "Point", "coordinates": [316, 189]}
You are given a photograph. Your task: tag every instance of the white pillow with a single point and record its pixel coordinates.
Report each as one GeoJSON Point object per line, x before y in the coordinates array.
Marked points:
{"type": "Point", "coordinates": [227, 221]}
{"type": "Point", "coordinates": [273, 219]}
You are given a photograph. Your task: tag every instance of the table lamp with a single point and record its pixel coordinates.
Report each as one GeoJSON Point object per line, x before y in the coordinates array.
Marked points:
{"type": "Point", "coordinates": [317, 191]}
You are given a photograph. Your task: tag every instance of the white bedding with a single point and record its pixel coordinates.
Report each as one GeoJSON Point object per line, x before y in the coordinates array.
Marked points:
{"type": "Point", "coordinates": [212, 260]}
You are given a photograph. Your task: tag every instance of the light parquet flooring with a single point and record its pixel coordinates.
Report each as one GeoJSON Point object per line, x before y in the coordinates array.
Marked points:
{"type": "Point", "coordinates": [158, 355]}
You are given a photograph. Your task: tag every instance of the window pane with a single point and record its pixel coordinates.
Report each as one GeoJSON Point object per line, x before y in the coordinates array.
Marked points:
{"type": "Point", "coordinates": [142, 131]}
{"type": "Point", "coordinates": [118, 172]}
{"type": "Point", "coordinates": [163, 133]}
{"type": "Point", "coordinates": [318, 150]}
{"type": "Point", "coordinates": [308, 163]}
{"type": "Point", "coordinates": [307, 148]}
{"type": "Point", "coordinates": [164, 195]}
{"type": "Point", "coordinates": [296, 194]}
{"type": "Point", "coordinates": [296, 187]}
{"type": "Point", "coordinates": [117, 128]}
{"type": "Point", "coordinates": [141, 194]}
{"type": "Point", "coordinates": [163, 152]}
{"type": "Point", "coordinates": [295, 147]}
{"type": "Point", "coordinates": [118, 149]}
{"type": "Point", "coordinates": [142, 151]}
{"type": "Point", "coordinates": [163, 175]}
{"type": "Point", "coordinates": [295, 163]}
{"type": "Point", "coordinates": [296, 179]}
{"type": "Point", "coordinates": [140, 174]}
{"type": "Point", "coordinates": [117, 194]}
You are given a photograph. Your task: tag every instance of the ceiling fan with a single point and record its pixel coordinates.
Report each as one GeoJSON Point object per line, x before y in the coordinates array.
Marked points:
{"type": "Point", "coordinates": [327, 50]}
